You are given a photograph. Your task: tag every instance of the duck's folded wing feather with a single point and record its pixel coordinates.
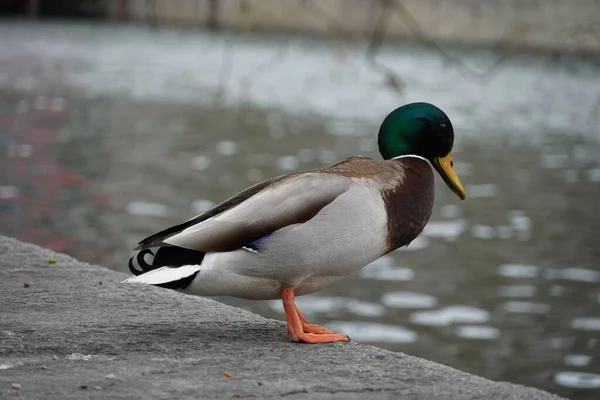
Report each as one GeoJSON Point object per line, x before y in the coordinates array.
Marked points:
{"type": "Point", "coordinates": [158, 238]}
{"type": "Point", "coordinates": [292, 200]}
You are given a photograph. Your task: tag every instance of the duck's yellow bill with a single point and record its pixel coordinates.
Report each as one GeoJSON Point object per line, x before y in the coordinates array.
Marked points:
{"type": "Point", "coordinates": [445, 167]}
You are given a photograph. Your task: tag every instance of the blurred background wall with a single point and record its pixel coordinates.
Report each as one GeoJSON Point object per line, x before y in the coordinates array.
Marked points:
{"type": "Point", "coordinates": [540, 24]}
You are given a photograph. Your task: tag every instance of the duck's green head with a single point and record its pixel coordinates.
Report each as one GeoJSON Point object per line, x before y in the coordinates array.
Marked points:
{"type": "Point", "coordinates": [424, 130]}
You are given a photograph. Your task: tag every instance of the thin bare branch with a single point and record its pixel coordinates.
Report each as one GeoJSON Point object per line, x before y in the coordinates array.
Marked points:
{"type": "Point", "coordinates": [226, 67]}
{"type": "Point", "coordinates": [462, 69]}
{"type": "Point", "coordinates": [392, 79]}
{"type": "Point", "coordinates": [265, 67]}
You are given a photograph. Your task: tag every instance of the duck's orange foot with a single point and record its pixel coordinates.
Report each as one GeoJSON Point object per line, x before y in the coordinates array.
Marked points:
{"type": "Point", "coordinates": [318, 338]}
{"type": "Point", "coordinates": [308, 328]}
{"type": "Point", "coordinates": [299, 331]}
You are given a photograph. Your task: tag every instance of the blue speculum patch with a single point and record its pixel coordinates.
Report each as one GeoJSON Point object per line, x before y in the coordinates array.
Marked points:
{"type": "Point", "coordinates": [255, 244]}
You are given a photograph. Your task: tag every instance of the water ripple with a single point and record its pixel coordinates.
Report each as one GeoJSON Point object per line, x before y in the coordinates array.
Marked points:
{"type": "Point", "coordinates": [482, 231]}
{"type": "Point", "coordinates": [526, 307]}
{"type": "Point", "coordinates": [578, 360]}
{"type": "Point", "coordinates": [449, 230]}
{"type": "Point", "coordinates": [388, 274]}
{"type": "Point", "coordinates": [518, 271]}
{"type": "Point", "coordinates": [450, 315]}
{"type": "Point", "coordinates": [201, 162]}
{"type": "Point", "coordinates": [578, 380]}
{"type": "Point", "coordinates": [574, 274]}
{"type": "Point", "coordinates": [288, 163]}
{"type": "Point", "coordinates": [373, 332]}
{"type": "Point", "coordinates": [202, 205]}
{"type": "Point", "coordinates": [586, 323]}
{"type": "Point", "coordinates": [227, 148]}
{"type": "Point", "coordinates": [147, 209]}
{"type": "Point", "coordinates": [521, 223]}
{"type": "Point", "coordinates": [482, 191]}
{"type": "Point", "coordinates": [383, 269]}
{"type": "Point", "coordinates": [477, 332]}
{"type": "Point", "coordinates": [408, 300]}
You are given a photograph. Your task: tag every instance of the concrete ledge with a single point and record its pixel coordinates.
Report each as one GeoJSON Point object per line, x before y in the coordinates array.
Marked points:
{"type": "Point", "coordinates": [75, 332]}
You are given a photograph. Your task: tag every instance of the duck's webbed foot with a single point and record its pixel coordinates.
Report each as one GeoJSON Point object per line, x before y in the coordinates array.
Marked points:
{"type": "Point", "coordinates": [298, 330]}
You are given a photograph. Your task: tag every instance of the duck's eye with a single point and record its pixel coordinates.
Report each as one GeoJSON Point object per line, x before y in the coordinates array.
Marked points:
{"type": "Point", "coordinates": [443, 126]}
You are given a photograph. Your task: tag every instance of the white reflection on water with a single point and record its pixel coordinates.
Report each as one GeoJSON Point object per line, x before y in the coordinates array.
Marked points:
{"type": "Point", "coordinates": [586, 323]}
{"type": "Point", "coordinates": [374, 332]}
{"type": "Point", "coordinates": [408, 300]}
{"type": "Point", "coordinates": [227, 148]}
{"type": "Point", "coordinates": [450, 315]}
{"type": "Point", "coordinates": [526, 307]}
{"type": "Point", "coordinates": [327, 156]}
{"type": "Point", "coordinates": [477, 332]}
{"type": "Point", "coordinates": [202, 205]}
{"type": "Point", "coordinates": [288, 163]}
{"type": "Point", "coordinates": [388, 274]}
{"type": "Point", "coordinates": [383, 268]}
{"type": "Point", "coordinates": [449, 230]}
{"type": "Point", "coordinates": [574, 274]}
{"type": "Point", "coordinates": [578, 360]}
{"type": "Point", "coordinates": [147, 209]}
{"type": "Point", "coordinates": [201, 162]}
{"type": "Point", "coordinates": [482, 191]}
{"type": "Point", "coordinates": [521, 223]}
{"type": "Point", "coordinates": [482, 231]}
{"type": "Point", "coordinates": [518, 271]}
{"type": "Point", "coordinates": [578, 380]}
{"type": "Point", "coordinates": [9, 192]}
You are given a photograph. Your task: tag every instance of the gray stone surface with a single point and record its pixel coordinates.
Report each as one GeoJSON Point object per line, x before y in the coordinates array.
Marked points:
{"type": "Point", "coordinates": [75, 332]}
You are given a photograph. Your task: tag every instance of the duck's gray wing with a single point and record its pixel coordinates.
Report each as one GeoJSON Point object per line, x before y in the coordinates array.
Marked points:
{"type": "Point", "coordinates": [157, 239]}
{"type": "Point", "coordinates": [256, 212]}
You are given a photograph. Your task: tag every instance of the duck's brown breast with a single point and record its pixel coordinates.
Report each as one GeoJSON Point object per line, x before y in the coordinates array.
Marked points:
{"type": "Point", "coordinates": [409, 202]}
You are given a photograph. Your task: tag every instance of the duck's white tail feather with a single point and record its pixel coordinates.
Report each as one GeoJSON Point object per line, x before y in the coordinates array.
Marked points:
{"type": "Point", "coordinates": [164, 275]}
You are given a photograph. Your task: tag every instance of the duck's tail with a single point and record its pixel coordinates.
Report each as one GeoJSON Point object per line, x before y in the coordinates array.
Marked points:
{"type": "Point", "coordinates": [169, 267]}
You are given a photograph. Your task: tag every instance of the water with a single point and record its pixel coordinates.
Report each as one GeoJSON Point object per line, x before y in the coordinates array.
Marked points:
{"type": "Point", "coordinates": [110, 133]}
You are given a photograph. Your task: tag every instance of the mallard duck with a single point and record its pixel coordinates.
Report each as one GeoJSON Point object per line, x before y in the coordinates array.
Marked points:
{"type": "Point", "coordinates": [294, 234]}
